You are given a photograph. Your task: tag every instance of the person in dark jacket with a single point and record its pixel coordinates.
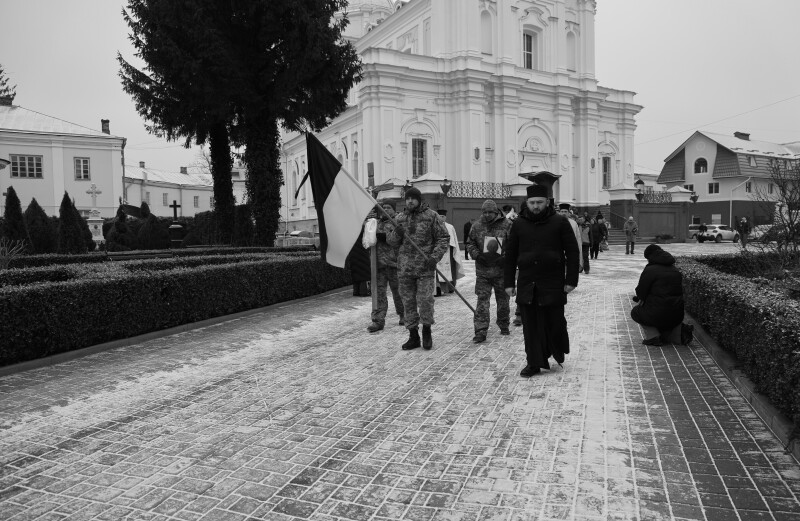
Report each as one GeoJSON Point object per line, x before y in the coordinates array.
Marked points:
{"type": "Point", "coordinates": [659, 294]}
{"type": "Point", "coordinates": [467, 228]}
{"type": "Point", "coordinates": [542, 244]}
{"type": "Point", "coordinates": [599, 234]}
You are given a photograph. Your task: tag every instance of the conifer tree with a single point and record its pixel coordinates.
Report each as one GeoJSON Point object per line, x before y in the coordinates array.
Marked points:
{"type": "Point", "coordinates": [40, 229]}
{"type": "Point", "coordinates": [13, 223]}
{"type": "Point", "coordinates": [83, 226]}
{"type": "Point", "coordinates": [70, 234]}
{"type": "Point", "coordinates": [6, 90]}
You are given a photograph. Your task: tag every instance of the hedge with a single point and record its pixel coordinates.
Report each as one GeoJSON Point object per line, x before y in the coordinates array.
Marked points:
{"type": "Point", "coordinates": [55, 317]}
{"type": "Point", "coordinates": [30, 261]}
{"type": "Point", "coordinates": [759, 325]}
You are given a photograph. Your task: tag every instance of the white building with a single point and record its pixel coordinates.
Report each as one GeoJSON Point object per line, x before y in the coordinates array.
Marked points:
{"type": "Point", "coordinates": [48, 156]}
{"type": "Point", "coordinates": [192, 191]}
{"type": "Point", "coordinates": [476, 91]}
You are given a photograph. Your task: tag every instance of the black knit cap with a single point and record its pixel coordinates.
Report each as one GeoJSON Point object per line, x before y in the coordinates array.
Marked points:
{"type": "Point", "coordinates": [651, 250]}
{"type": "Point", "coordinates": [414, 193]}
{"type": "Point", "coordinates": [564, 206]}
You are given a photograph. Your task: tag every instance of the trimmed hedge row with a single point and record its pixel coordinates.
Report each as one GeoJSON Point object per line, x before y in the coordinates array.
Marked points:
{"type": "Point", "coordinates": [749, 264]}
{"type": "Point", "coordinates": [31, 261]}
{"type": "Point", "coordinates": [759, 325]}
{"type": "Point", "coordinates": [55, 317]}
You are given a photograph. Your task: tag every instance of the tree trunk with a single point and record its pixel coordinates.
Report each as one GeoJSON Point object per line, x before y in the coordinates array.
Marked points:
{"type": "Point", "coordinates": [264, 178]}
{"type": "Point", "coordinates": [221, 166]}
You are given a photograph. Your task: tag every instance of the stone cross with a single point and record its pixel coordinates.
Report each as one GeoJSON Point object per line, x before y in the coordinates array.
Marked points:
{"type": "Point", "coordinates": [93, 191]}
{"type": "Point", "coordinates": [175, 207]}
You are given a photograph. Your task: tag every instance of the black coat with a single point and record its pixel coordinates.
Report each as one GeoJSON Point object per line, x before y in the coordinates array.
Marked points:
{"type": "Point", "coordinates": [359, 261]}
{"type": "Point", "coordinates": [467, 228]}
{"type": "Point", "coordinates": [660, 292]}
{"type": "Point", "coordinates": [547, 255]}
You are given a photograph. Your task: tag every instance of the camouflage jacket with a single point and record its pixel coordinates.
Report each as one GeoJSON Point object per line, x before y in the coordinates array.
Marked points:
{"type": "Point", "coordinates": [387, 254]}
{"type": "Point", "coordinates": [424, 227]}
{"type": "Point", "coordinates": [480, 230]}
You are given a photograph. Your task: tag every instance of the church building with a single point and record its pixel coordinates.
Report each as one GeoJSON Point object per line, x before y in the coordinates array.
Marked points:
{"type": "Point", "coordinates": [474, 92]}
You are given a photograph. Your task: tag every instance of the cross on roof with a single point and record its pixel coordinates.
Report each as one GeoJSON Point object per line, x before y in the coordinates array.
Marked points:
{"type": "Point", "coordinates": [93, 191]}
{"type": "Point", "coordinates": [175, 207]}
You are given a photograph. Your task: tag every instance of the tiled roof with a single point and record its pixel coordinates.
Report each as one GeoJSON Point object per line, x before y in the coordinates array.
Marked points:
{"type": "Point", "coordinates": [162, 176]}
{"type": "Point", "coordinates": [674, 168]}
{"type": "Point", "coordinates": [726, 163]}
{"type": "Point", "coordinates": [14, 117]}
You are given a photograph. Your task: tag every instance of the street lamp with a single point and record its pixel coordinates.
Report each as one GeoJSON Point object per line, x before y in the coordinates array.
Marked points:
{"type": "Point", "coordinates": [639, 184]}
{"type": "Point", "coordinates": [694, 197]}
{"type": "Point", "coordinates": [445, 186]}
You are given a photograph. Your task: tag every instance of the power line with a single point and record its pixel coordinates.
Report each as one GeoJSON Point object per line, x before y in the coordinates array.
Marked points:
{"type": "Point", "coordinates": [719, 120]}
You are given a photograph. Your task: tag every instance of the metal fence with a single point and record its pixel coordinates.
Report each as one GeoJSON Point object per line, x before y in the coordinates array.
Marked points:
{"type": "Point", "coordinates": [478, 190]}
{"type": "Point", "coordinates": [656, 197]}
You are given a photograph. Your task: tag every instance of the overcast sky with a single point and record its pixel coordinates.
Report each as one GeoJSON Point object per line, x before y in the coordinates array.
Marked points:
{"type": "Point", "coordinates": [715, 65]}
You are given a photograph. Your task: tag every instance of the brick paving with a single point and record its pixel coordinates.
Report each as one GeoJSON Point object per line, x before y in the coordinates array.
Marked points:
{"type": "Point", "coordinates": [298, 413]}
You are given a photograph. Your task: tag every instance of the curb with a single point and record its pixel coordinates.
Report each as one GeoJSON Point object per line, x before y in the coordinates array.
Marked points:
{"type": "Point", "coordinates": [124, 342]}
{"type": "Point", "coordinates": [775, 420]}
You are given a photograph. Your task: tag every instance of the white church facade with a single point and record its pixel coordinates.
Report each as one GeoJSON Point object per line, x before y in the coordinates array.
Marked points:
{"type": "Point", "coordinates": [477, 92]}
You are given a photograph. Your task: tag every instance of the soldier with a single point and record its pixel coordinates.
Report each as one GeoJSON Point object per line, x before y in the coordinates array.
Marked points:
{"type": "Point", "coordinates": [415, 270]}
{"type": "Point", "coordinates": [485, 239]}
{"type": "Point", "coordinates": [387, 270]}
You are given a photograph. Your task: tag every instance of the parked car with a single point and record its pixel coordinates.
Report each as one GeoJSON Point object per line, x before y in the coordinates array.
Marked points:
{"type": "Point", "coordinates": [719, 233]}
{"type": "Point", "coordinates": [693, 229]}
{"type": "Point", "coordinates": [759, 231]}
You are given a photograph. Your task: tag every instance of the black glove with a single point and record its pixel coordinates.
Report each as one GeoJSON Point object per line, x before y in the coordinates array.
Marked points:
{"type": "Point", "coordinates": [381, 236]}
{"type": "Point", "coordinates": [481, 259]}
{"type": "Point", "coordinates": [430, 263]}
{"type": "Point", "coordinates": [400, 231]}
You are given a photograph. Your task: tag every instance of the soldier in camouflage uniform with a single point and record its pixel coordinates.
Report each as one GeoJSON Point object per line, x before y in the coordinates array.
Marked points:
{"type": "Point", "coordinates": [416, 271]}
{"type": "Point", "coordinates": [489, 268]}
{"type": "Point", "coordinates": [387, 270]}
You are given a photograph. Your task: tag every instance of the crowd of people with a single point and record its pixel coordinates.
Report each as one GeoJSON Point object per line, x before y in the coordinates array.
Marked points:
{"type": "Point", "coordinates": [534, 255]}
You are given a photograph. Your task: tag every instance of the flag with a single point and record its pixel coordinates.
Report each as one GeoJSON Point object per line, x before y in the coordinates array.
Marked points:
{"type": "Point", "coordinates": [342, 203]}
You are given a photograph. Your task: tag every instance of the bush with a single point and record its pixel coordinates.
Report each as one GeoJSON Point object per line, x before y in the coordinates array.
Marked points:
{"type": "Point", "coordinates": [70, 233]}
{"type": "Point", "coordinates": [760, 326]}
{"type": "Point", "coordinates": [40, 229]}
{"type": "Point", "coordinates": [54, 317]}
{"type": "Point", "coordinates": [120, 237]}
{"type": "Point", "coordinates": [13, 223]}
{"type": "Point", "coordinates": [153, 234]}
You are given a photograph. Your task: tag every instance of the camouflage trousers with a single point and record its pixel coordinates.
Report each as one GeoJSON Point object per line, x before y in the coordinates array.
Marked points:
{"type": "Point", "coordinates": [417, 295]}
{"type": "Point", "coordinates": [483, 289]}
{"type": "Point", "coordinates": [387, 276]}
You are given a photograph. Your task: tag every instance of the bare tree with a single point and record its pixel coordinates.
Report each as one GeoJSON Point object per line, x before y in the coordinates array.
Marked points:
{"type": "Point", "coordinates": [781, 198]}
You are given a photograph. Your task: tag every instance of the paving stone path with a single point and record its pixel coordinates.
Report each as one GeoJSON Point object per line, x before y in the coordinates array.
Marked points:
{"type": "Point", "coordinates": [298, 413]}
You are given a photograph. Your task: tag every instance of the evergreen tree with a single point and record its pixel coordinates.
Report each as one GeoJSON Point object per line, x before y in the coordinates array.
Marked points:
{"type": "Point", "coordinates": [152, 234]}
{"type": "Point", "coordinates": [83, 226]}
{"type": "Point", "coordinates": [40, 229]}
{"type": "Point", "coordinates": [6, 90]}
{"type": "Point", "coordinates": [70, 234]}
{"type": "Point", "coordinates": [13, 223]}
{"type": "Point", "coordinates": [119, 236]}
{"type": "Point", "coordinates": [247, 65]}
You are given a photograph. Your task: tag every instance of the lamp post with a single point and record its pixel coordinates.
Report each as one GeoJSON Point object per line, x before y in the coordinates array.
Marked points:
{"type": "Point", "coordinates": [639, 194]}
{"type": "Point", "coordinates": [694, 197]}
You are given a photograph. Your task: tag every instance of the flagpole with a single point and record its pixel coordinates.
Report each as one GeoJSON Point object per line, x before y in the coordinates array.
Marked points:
{"type": "Point", "coordinates": [416, 246]}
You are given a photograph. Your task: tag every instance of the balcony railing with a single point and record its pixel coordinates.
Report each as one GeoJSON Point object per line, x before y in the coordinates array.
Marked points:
{"type": "Point", "coordinates": [479, 190]}
{"type": "Point", "coordinates": [656, 197]}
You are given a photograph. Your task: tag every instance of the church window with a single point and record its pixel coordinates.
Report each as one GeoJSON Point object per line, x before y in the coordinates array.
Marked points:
{"type": "Point", "coordinates": [419, 157]}
{"type": "Point", "coordinates": [572, 52]}
{"type": "Point", "coordinates": [426, 37]}
{"type": "Point", "coordinates": [355, 165]}
{"type": "Point", "coordinates": [486, 32]}
{"type": "Point", "coordinates": [701, 166]}
{"type": "Point", "coordinates": [164, 201]}
{"type": "Point", "coordinates": [531, 51]}
{"type": "Point", "coordinates": [26, 166]}
{"type": "Point", "coordinates": [81, 168]}
{"type": "Point", "coordinates": [606, 171]}
{"type": "Point", "coordinates": [147, 197]}
{"type": "Point", "coordinates": [197, 201]}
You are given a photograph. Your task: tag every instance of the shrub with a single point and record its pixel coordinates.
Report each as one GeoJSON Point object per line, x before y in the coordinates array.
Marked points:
{"type": "Point", "coordinates": [153, 234]}
{"type": "Point", "coordinates": [759, 325]}
{"type": "Point", "coordinates": [13, 223]}
{"type": "Point", "coordinates": [70, 233]}
{"type": "Point", "coordinates": [83, 227]}
{"type": "Point", "coordinates": [120, 237]}
{"type": "Point", "coordinates": [85, 312]}
{"type": "Point", "coordinates": [40, 229]}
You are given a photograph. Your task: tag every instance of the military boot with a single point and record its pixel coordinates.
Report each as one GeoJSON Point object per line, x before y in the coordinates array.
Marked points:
{"type": "Point", "coordinates": [413, 340]}
{"type": "Point", "coordinates": [427, 339]}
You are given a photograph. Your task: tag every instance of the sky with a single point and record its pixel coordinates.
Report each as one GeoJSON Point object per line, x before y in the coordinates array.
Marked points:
{"type": "Point", "coordinates": [714, 65]}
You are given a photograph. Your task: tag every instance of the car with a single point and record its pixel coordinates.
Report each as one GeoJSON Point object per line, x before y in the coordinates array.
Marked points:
{"type": "Point", "coordinates": [759, 231]}
{"type": "Point", "coordinates": [719, 233]}
{"type": "Point", "coordinates": [301, 233]}
{"type": "Point", "coordinates": [693, 230]}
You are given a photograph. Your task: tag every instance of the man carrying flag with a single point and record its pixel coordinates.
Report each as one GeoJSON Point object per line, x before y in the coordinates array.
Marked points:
{"type": "Point", "coordinates": [416, 264]}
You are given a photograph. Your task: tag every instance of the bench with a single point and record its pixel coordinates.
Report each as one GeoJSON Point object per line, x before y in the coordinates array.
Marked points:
{"type": "Point", "coordinates": [674, 336]}
{"type": "Point", "coordinates": [123, 256]}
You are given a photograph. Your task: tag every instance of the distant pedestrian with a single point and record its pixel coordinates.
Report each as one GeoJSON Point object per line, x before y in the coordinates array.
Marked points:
{"type": "Point", "coordinates": [660, 297]}
{"type": "Point", "coordinates": [415, 270]}
{"type": "Point", "coordinates": [386, 270]}
{"type": "Point", "coordinates": [586, 242]}
{"type": "Point", "coordinates": [485, 246]}
{"type": "Point", "coordinates": [450, 264]}
{"type": "Point", "coordinates": [543, 246]}
{"type": "Point", "coordinates": [599, 233]}
{"type": "Point", "coordinates": [467, 228]}
{"type": "Point", "coordinates": [744, 229]}
{"type": "Point", "coordinates": [564, 209]}
{"type": "Point", "coordinates": [631, 229]}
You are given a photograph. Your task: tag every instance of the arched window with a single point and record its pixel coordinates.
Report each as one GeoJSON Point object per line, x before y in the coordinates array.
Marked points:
{"type": "Point", "coordinates": [701, 166]}
{"type": "Point", "coordinates": [532, 49]}
{"type": "Point", "coordinates": [355, 165]}
{"type": "Point", "coordinates": [572, 52]}
{"type": "Point", "coordinates": [486, 32]}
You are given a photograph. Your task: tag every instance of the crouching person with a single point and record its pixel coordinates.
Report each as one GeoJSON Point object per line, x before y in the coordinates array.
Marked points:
{"type": "Point", "coordinates": [660, 297]}
{"type": "Point", "coordinates": [415, 270]}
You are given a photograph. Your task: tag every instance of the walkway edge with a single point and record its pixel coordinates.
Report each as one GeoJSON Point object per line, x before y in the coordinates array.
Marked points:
{"type": "Point", "coordinates": [775, 420]}
{"type": "Point", "coordinates": [124, 342]}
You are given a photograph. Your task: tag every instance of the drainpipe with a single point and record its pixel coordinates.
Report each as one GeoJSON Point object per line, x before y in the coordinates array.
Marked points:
{"type": "Point", "coordinates": [730, 210]}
